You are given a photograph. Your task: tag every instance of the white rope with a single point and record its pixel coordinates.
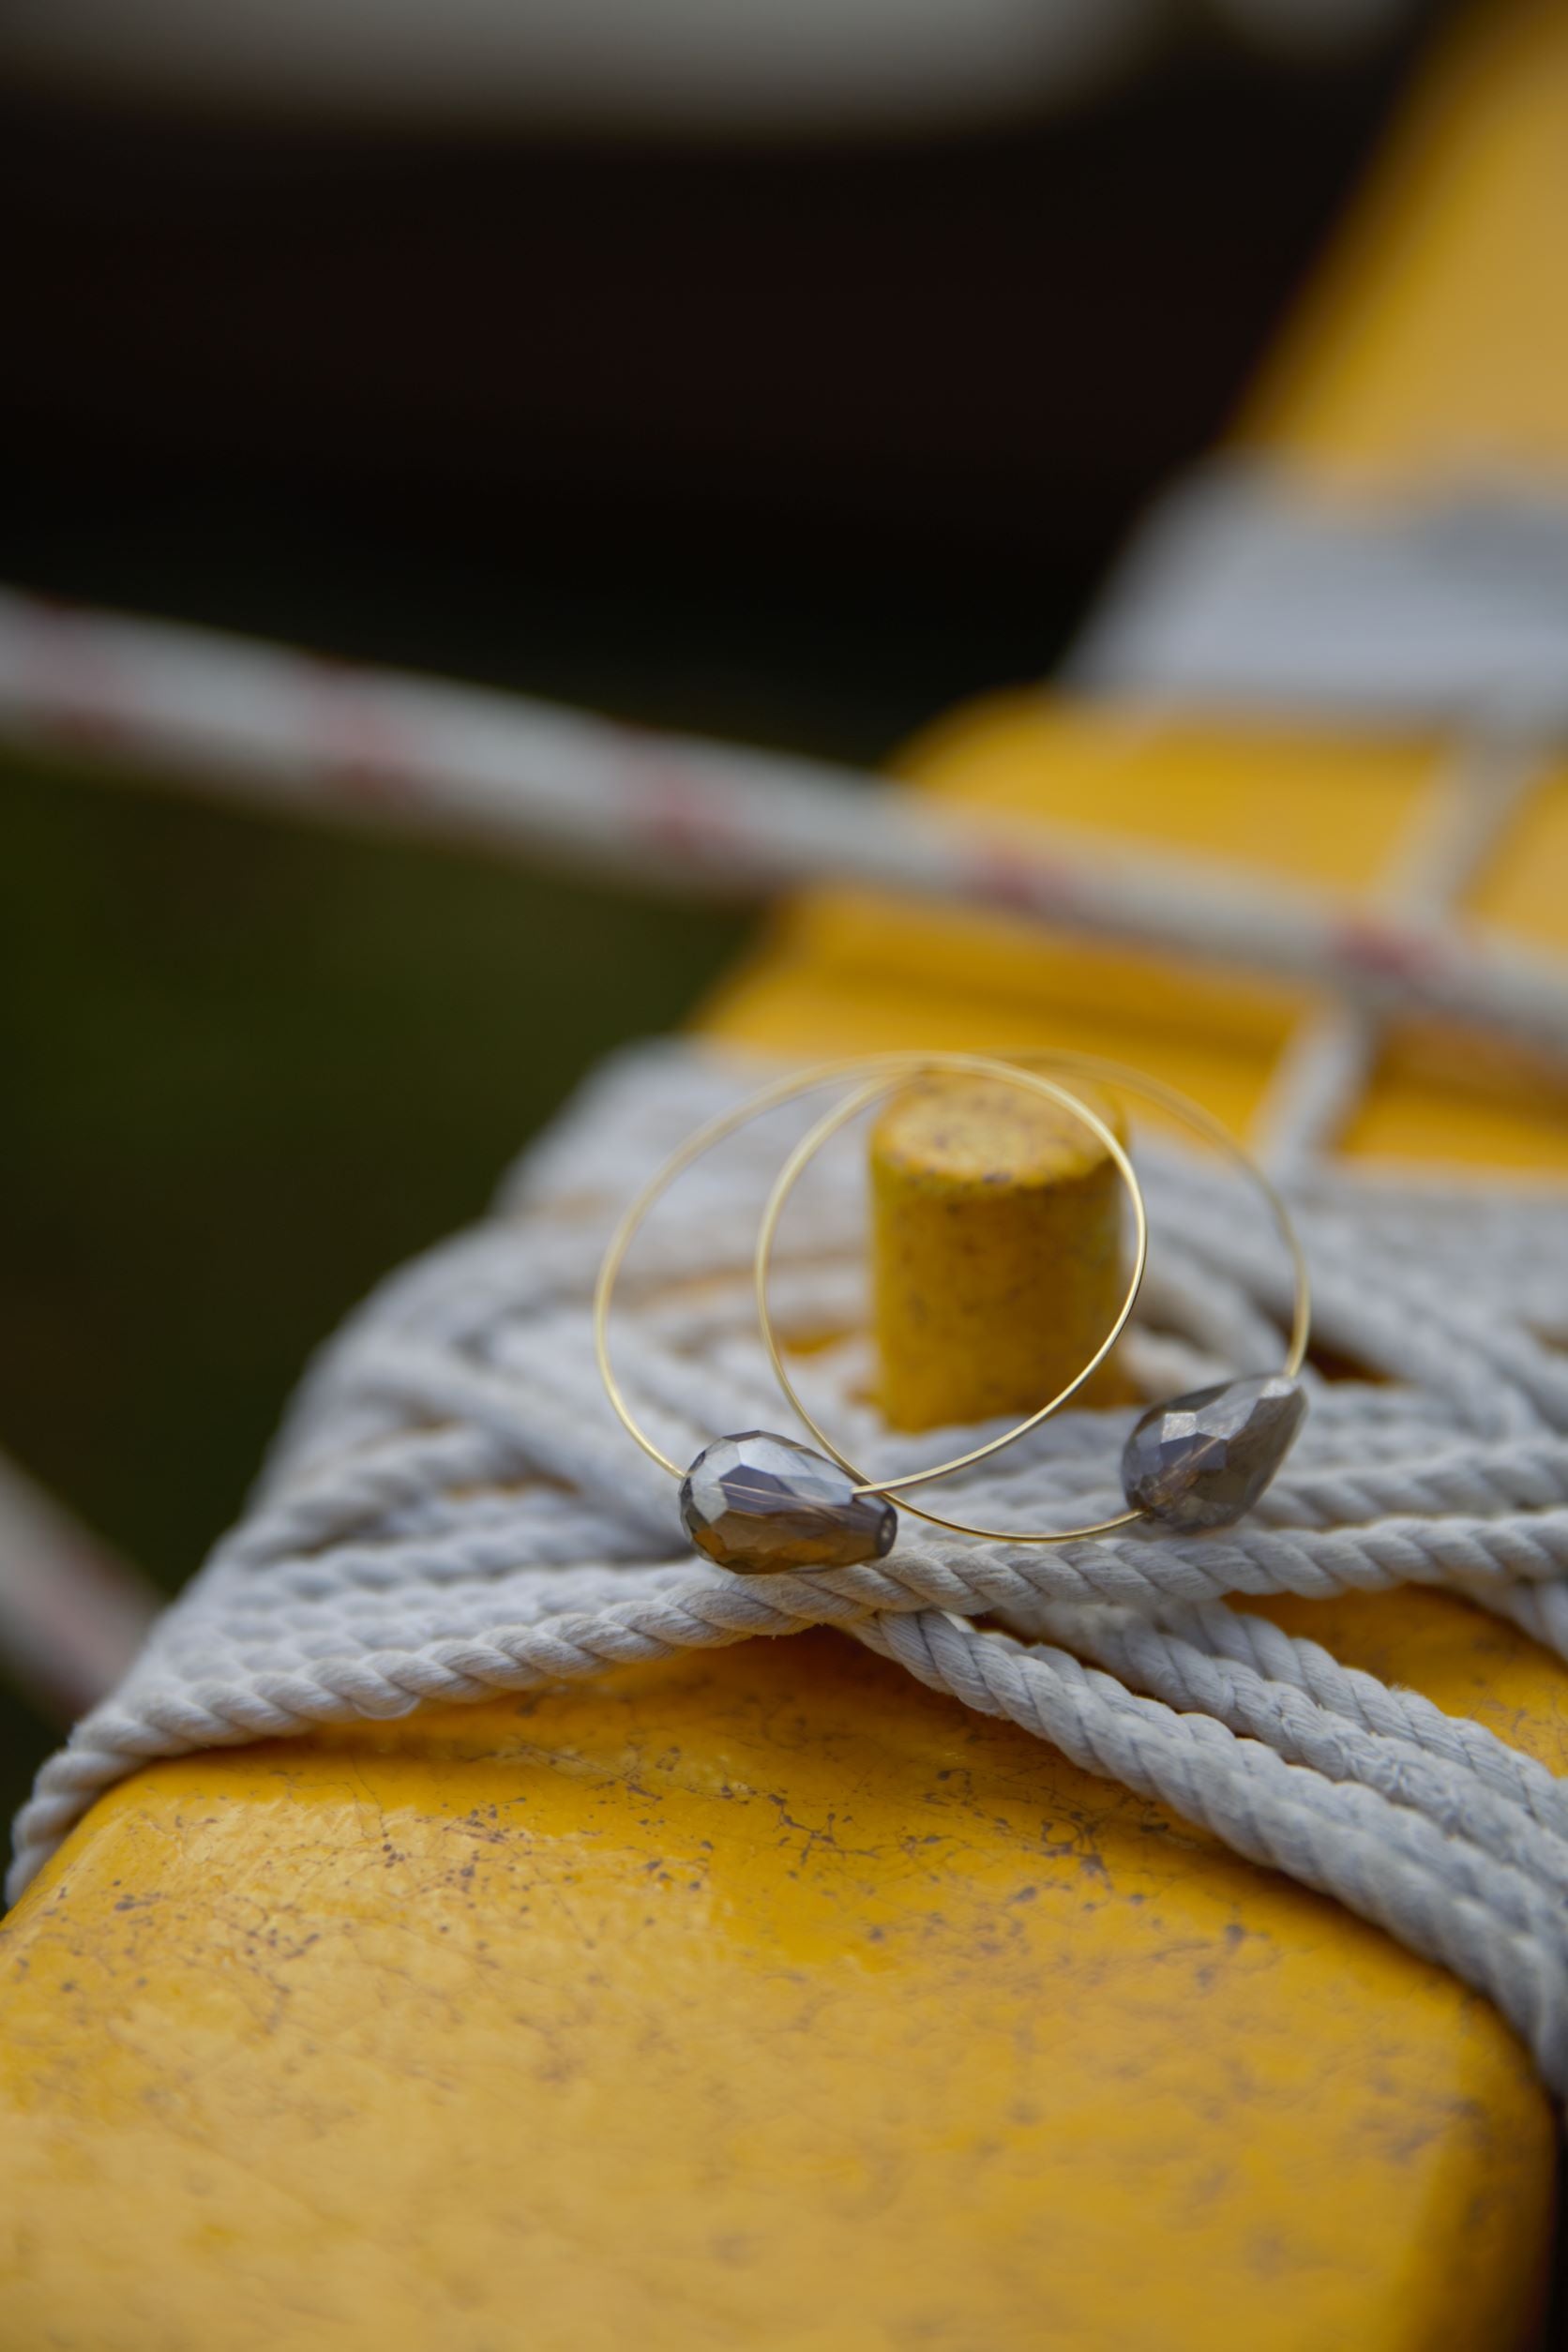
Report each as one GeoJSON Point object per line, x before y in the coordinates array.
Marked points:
{"type": "Point", "coordinates": [1328, 1062]}
{"type": "Point", "coordinates": [267, 724]}
{"type": "Point", "coordinates": [1445, 1898]}
{"type": "Point", "coordinates": [451, 1511]}
{"type": "Point", "coordinates": [1247, 588]}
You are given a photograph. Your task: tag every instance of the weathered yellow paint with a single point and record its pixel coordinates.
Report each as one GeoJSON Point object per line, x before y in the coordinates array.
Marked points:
{"type": "Point", "coordinates": [997, 1268]}
{"type": "Point", "coordinates": [756, 1998]}
{"type": "Point", "coordinates": [761, 1998]}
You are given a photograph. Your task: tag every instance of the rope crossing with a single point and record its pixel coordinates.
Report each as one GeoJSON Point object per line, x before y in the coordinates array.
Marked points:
{"type": "Point", "coordinates": [451, 1511]}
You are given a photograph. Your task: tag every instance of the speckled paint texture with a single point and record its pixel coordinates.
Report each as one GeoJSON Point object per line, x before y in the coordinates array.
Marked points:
{"type": "Point", "coordinates": [998, 1265]}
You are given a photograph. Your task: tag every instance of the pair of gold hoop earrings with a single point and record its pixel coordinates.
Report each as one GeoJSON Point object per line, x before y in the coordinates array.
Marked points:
{"type": "Point", "coordinates": [759, 1504]}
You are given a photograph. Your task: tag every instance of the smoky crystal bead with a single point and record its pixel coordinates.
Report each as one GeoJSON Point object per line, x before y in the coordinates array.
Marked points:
{"type": "Point", "coordinates": [759, 1503]}
{"type": "Point", "coordinates": [1202, 1460]}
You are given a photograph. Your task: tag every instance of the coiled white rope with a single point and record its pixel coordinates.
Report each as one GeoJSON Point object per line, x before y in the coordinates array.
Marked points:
{"type": "Point", "coordinates": [451, 1511]}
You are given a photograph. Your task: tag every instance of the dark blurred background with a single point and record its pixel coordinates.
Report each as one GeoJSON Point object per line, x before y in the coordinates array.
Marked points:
{"type": "Point", "coordinates": [796, 428]}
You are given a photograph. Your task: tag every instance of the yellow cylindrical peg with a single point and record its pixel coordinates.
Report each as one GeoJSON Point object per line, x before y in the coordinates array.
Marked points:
{"type": "Point", "coordinates": [997, 1250]}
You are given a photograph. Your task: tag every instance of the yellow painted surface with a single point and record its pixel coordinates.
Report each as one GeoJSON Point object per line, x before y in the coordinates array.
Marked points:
{"type": "Point", "coordinates": [755, 1998]}
{"type": "Point", "coordinates": [997, 1265]}
{"type": "Point", "coordinates": [1436, 343]}
{"type": "Point", "coordinates": [763, 1998]}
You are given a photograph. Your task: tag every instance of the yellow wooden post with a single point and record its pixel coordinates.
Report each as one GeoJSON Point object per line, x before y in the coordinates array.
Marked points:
{"type": "Point", "coordinates": [995, 1251]}
{"type": "Point", "coordinates": [759, 1997]}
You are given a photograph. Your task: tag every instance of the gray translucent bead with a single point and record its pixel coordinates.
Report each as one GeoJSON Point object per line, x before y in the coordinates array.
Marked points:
{"type": "Point", "coordinates": [759, 1504]}
{"type": "Point", "coordinates": [1203, 1459]}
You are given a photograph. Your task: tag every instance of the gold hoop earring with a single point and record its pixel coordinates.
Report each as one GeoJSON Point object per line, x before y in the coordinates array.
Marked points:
{"type": "Point", "coordinates": [758, 1502]}
{"type": "Point", "coordinates": [1195, 1461]}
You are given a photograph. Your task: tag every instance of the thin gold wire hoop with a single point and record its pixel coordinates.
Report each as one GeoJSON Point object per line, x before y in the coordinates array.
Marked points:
{"type": "Point", "coordinates": [1203, 1123]}
{"type": "Point", "coordinates": [892, 1070]}
{"type": "Point", "coordinates": [985, 1065]}
{"type": "Point", "coordinates": [1170, 1098]}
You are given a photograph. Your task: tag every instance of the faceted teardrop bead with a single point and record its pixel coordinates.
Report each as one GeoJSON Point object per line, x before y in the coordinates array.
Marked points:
{"type": "Point", "coordinates": [759, 1504]}
{"type": "Point", "coordinates": [1203, 1459]}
